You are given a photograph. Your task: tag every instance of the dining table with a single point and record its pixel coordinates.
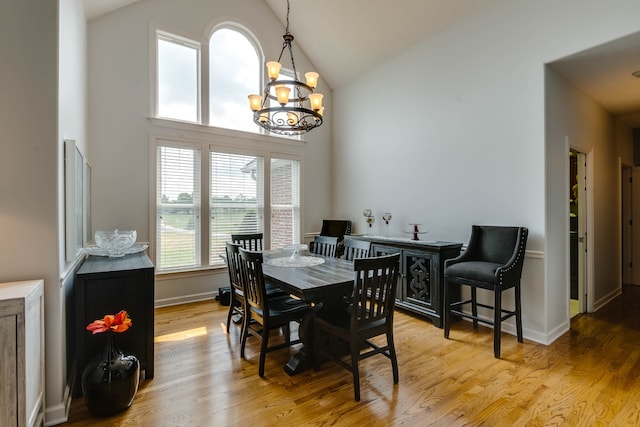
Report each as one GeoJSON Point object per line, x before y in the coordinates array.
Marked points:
{"type": "Point", "coordinates": [321, 281]}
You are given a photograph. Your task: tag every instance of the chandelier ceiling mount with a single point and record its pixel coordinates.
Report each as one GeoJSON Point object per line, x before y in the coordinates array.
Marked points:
{"type": "Point", "coordinates": [288, 107]}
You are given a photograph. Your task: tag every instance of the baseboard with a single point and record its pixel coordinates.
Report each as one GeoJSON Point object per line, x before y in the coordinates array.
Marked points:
{"type": "Point", "coordinates": [184, 299]}
{"type": "Point", "coordinates": [607, 299]}
{"type": "Point", "coordinates": [556, 333]}
{"type": "Point", "coordinates": [58, 414]}
{"type": "Point", "coordinates": [527, 334]}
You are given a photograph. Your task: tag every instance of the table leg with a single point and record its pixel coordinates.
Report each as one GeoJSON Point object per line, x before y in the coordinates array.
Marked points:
{"type": "Point", "coordinates": [304, 358]}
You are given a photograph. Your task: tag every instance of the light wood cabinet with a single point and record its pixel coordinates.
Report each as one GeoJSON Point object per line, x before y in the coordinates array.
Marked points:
{"type": "Point", "coordinates": [22, 353]}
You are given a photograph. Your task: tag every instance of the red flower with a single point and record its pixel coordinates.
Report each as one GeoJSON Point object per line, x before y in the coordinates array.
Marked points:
{"type": "Point", "coordinates": [111, 322]}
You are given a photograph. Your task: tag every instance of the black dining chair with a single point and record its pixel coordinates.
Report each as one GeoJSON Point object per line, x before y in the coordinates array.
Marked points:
{"type": "Point", "coordinates": [237, 299]}
{"type": "Point", "coordinates": [324, 245]}
{"type": "Point", "coordinates": [249, 241]}
{"type": "Point", "coordinates": [369, 314]}
{"type": "Point", "coordinates": [493, 261]}
{"type": "Point", "coordinates": [354, 248]}
{"type": "Point", "coordinates": [266, 314]}
{"type": "Point", "coordinates": [336, 228]}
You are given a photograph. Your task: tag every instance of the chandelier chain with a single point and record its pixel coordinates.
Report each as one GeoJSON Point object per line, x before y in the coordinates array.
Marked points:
{"type": "Point", "coordinates": [292, 116]}
{"type": "Point", "coordinates": [288, 38]}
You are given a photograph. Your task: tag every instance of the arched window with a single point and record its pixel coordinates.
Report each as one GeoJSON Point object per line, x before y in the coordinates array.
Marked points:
{"type": "Point", "coordinates": [234, 73]}
{"type": "Point", "coordinates": [207, 189]}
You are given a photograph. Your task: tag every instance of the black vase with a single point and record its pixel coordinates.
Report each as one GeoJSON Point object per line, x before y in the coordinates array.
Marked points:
{"type": "Point", "coordinates": [110, 380]}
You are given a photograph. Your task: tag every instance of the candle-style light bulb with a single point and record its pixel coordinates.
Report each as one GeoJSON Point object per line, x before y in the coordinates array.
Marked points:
{"type": "Point", "coordinates": [316, 100]}
{"type": "Point", "coordinates": [282, 93]}
{"type": "Point", "coordinates": [312, 79]}
{"type": "Point", "coordinates": [255, 101]}
{"type": "Point", "coordinates": [273, 69]}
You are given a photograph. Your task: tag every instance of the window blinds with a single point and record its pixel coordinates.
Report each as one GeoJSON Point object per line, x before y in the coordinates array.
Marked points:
{"type": "Point", "coordinates": [285, 202]}
{"type": "Point", "coordinates": [236, 199]}
{"type": "Point", "coordinates": [177, 207]}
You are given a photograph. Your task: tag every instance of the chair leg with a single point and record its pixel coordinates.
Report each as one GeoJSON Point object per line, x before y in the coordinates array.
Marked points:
{"type": "Point", "coordinates": [245, 327]}
{"type": "Point", "coordinates": [243, 337]}
{"type": "Point", "coordinates": [474, 307]}
{"type": "Point", "coordinates": [392, 355]}
{"type": "Point", "coordinates": [231, 310]}
{"type": "Point", "coordinates": [246, 321]}
{"type": "Point", "coordinates": [355, 352]}
{"type": "Point", "coordinates": [446, 311]}
{"type": "Point", "coordinates": [263, 350]}
{"type": "Point", "coordinates": [497, 322]}
{"type": "Point", "coordinates": [518, 313]}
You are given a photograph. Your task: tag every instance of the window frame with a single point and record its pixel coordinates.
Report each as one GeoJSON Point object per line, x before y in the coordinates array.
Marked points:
{"type": "Point", "coordinates": [198, 208]}
{"type": "Point", "coordinates": [218, 140]}
{"type": "Point", "coordinates": [159, 34]}
{"type": "Point", "coordinates": [202, 44]}
{"type": "Point", "coordinates": [206, 68]}
{"type": "Point", "coordinates": [260, 143]}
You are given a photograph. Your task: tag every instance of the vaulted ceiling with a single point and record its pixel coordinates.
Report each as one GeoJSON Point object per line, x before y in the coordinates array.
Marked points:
{"type": "Point", "coordinates": [345, 38]}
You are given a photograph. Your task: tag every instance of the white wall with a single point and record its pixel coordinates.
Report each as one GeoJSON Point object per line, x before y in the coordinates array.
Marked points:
{"type": "Point", "coordinates": [120, 80]}
{"type": "Point", "coordinates": [72, 124]}
{"type": "Point", "coordinates": [456, 136]}
{"type": "Point", "coordinates": [34, 120]}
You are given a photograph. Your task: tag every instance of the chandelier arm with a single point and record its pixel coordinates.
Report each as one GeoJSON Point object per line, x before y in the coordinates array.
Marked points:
{"type": "Point", "coordinates": [284, 46]}
{"type": "Point", "coordinates": [293, 63]}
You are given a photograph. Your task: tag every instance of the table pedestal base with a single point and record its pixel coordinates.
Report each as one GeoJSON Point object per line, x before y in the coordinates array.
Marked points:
{"type": "Point", "coordinates": [304, 358]}
{"type": "Point", "coordinates": [299, 362]}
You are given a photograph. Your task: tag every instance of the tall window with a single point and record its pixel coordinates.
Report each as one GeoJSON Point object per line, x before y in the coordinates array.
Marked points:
{"type": "Point", "coordinates": [285, 202]}
{"type": "Point", "coordinates": [236, 199]}
{"type": "Point", "coordinates": [178, 79]}
{"type": "Point", "coordinates": [217, 184]}
{"type": "Point", "coordinates": [177, 207]}
{"type": "Point", "coordinates": [191, 234]}
{"type": "Point", "coordinates": [234, 72]}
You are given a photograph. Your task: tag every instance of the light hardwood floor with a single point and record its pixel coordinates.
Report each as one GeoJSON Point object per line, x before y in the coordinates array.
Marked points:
{"type": "Point", "coordinates": [588, 377]}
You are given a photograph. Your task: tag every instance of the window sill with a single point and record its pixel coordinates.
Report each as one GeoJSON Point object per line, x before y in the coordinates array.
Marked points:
{"type": "Point", "coordinates": [205, 271]}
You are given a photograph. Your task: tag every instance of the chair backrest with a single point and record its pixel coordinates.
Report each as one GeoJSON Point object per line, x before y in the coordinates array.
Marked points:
{"type": "Point", "coordinates": [374, 289]}
{"type": "Point", "coordinates": [336, 228]}
{"type": "Point", "coordinates": [233, 264]}
{"type": "Point", "coordinates": [325, 246]}
{"type": "Point", "coordinates": [354, 248]}
{"type": "Point", "coordinates": [498, 244]}
{"type": "Point", "coordinates": [250, 241]}
{"type": "Point", "coordinates": [253, 281]}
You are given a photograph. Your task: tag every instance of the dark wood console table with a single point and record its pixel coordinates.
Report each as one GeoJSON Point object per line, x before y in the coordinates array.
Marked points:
{"type": "Point", "coordinates": [420, 285]}
{"type": "Point", "coordinates": [106, 285]}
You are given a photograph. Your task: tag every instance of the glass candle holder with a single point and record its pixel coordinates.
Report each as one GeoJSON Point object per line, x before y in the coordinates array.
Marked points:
{"type": "Point", "coordinates": [386, 217]}
{"type": "Point", "coordinates": [370, 220]}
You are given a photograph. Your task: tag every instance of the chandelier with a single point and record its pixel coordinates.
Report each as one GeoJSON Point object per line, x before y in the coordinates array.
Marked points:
{"type": "Point", "coordinates": [287, 107]}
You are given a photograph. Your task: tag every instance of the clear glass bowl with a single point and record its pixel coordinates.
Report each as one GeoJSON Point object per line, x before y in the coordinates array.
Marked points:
{"type": "Point", "coordinates": [115, 242]}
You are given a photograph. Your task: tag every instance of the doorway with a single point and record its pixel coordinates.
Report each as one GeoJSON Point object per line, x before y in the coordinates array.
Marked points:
{"type": "Point", "coordinates": [626, 186]}
{"type": "Point", "coordinates": [577, 232]}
